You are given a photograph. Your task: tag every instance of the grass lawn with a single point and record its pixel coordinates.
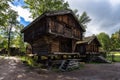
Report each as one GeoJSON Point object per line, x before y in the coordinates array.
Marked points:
{"type": "Point", "coordinates": [114, 55]}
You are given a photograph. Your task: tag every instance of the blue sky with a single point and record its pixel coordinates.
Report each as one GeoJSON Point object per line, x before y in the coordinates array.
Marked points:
{"type": "Point", "coordinates": [22, 21]}
{"type": "Point", "coordinates": [24, 14]}
{"type": "Point", "coordinates": [18, 3]}
{"type": "Point", "coordinates": [105, 14]}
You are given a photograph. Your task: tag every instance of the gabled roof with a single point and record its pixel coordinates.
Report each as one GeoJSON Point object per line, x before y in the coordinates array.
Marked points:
{"type": "Point", "coordinates": [88, 40]}
{"type": "Point", "coordinates": [54, 13]}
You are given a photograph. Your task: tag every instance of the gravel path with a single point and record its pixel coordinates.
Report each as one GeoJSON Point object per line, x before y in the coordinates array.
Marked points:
{"type": "Point", "coordinates": [11, 68]}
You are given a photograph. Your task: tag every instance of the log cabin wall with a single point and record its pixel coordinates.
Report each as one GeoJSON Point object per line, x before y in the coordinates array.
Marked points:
{"type": "Point", "coordinates": [64, 25]}
{"type": "Point", "coordinates": [60, 44]}
{"type": "Point", "coordinates": [45, 45]}
{"type": "Point", "coordinates": [33, 33]}
{"type": "Point", "coordinates": [40, 46]}
{"type": "Point", "coordinates": [28, 38]}
{"type": "Point", "coordinates": [92, 47]}
{"type": "Point", "coordinates": [55, 45]}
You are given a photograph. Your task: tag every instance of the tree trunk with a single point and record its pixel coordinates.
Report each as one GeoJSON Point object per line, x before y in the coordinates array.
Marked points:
{"type": "Point", "coordinates": [9, 38]}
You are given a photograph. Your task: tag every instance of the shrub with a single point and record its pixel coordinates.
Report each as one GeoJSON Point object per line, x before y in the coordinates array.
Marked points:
{"type": "Point", "coordinates": [31, 61]}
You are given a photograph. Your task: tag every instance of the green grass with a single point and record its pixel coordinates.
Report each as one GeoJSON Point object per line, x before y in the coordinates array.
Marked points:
{"type": "Point", "coordinates": [115, 53]}
{"type": "Point", "coordinates": [116, 56]}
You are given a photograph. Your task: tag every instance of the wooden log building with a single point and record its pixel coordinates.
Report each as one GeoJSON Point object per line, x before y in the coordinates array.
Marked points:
{"type": "Point", "coordinates": [60, 35]}
{"type": "Point", "coordinates": [89, 47]}
{"type": "Point", "coordinates": [54, 32]}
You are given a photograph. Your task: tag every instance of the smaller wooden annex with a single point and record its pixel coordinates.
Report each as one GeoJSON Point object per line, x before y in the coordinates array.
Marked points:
{"type": "Point", "coordinates": [89, 46]}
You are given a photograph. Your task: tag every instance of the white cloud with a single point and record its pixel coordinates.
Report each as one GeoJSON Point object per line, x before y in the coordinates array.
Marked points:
{"type": "Point", "coordinates": [104, 14]}
{"type": "Point", "coordinates": [114, 2]}
{"type": "Point", "coordinates": [25, 13]}
{"type": "Point", "coordinates": [93, 29]}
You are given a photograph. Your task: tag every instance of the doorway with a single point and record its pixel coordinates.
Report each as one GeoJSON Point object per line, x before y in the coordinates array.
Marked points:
{"type": "Point", "coordinates": [66, 45]}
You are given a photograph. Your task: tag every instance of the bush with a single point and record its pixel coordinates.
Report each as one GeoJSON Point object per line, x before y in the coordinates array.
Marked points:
{"type": "Point", "coordinates": [31, 61]}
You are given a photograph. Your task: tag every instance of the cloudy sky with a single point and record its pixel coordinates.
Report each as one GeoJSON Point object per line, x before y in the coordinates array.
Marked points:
{"type": "Point", "coordinates": [105, 14]}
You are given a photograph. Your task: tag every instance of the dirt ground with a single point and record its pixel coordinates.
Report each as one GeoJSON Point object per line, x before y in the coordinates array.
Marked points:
{"type": "Point", "coordinates": [12, 69]}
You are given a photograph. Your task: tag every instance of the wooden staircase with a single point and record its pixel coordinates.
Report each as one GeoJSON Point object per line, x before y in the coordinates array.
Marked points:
{"type": "Point", "coordinates": [67, 64]}
{"type": "Point", "coordinates": [64, 65]}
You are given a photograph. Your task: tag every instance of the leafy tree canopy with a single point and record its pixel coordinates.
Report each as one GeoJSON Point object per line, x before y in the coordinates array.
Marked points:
{"type": "Point", "coordinates": [115, 40]}
{"type": "Point", "coordinates": [105, 41]}
{"type": "Point", "coordinates": [37, 7]}
{"type": "Point", "coordinates": [84, 19]}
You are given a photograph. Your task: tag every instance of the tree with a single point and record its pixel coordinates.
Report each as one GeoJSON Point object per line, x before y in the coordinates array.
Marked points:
{"type": "Point", "coordinates": [84, 19]}
{"type": "Point", "coordinates": [3, 42]}
{"type": "Point", "coordinates": [18, 40]}
{"type": "Point", "coordinates": [10, 34]}
{"type": "Point", "coordinates": [105, 41]}
{"type": "Point", "coordinates": [37, 7]}
{"type": "Point", "coordinates": [12, 22]}
{"type": "Point", "coordinates": [115, 40]}
{"type": "Point", "coordinates": [75, 11]}
{"type": "Point", "coordinates": [118, 39]}
{"type": "Point", "coordinates": [4, 6]}
{"type": "Point", "coordinates": [8, 25]}
{"type": "Point", "coordinates": [5, 22]}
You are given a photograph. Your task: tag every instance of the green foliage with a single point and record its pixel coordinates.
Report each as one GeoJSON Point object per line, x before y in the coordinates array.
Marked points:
{"type": "Point", "coordinates": [31, 61]}
{"type": "Point", "coordinates": [4, 9]}
{"type": "Point", "coordinates": [10, 35]}
{"type": "Point", "coordinates": [37, 7]}
{"type": "Point", "coordinates": [3, 42]}
{"type": "Point", "coordinates": [11, 23]}
{"type": "Point", "coordinates": [76, 12]}
{"type": "Point", "coordinates": [110, 43]}
{"type": "Point", "coordinates": [84, 19]}
{"type": "Point", "coordinates": [115, 40]}
{"type": "Point", "coordinates": [18, 40]}
{"type": "Point", "coordinates": [116, 57]}
{"type": "Point", "coordinates": [105, 41]}
{"type": "Point", "coordinates": [4, 6]}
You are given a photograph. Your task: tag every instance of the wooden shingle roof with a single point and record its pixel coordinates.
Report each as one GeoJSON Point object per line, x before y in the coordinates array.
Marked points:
{"type": "Point", "coordinates": [54, 13]}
